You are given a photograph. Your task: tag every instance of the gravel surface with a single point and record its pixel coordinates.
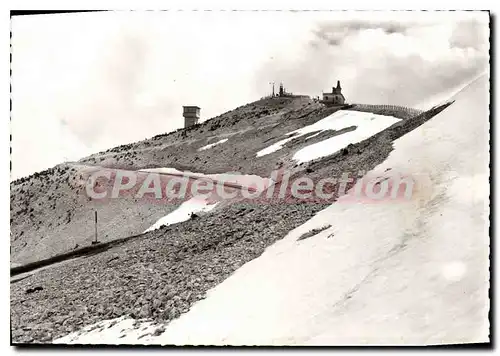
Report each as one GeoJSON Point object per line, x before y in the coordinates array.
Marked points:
{"type": "Point", "coordinates": [158, 276]}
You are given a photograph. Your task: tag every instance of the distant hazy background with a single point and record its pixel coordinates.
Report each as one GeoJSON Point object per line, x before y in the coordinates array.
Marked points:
{"type": "Point", "coordinates": [87, 82]}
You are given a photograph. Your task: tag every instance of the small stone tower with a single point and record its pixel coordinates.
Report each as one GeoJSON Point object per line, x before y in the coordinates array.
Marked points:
{"type": "Point", "coordinates": [335, 97]}
{"type": "Point", "coordinates": [191, 115]}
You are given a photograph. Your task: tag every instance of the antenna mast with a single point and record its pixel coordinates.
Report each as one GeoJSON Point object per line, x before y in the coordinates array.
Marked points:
{"type": "Point", "coordinates": [273, 87]}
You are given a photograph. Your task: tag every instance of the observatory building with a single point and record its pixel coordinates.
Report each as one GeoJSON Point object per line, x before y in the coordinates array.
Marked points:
{"type": "Point", "coordinates": [335, 97]}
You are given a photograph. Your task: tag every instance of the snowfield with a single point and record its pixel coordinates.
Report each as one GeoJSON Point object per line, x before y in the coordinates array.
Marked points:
{"type": "Point", "coordinates": [411, 272]}
{"type": "Point", "coordinates": [111, 332]}
{"type": "Point", "coordinates": [367, 124]}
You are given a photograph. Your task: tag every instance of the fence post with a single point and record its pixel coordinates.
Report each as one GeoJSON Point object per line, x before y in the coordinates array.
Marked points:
{"type": "Point", "coordinates": [95, 226]}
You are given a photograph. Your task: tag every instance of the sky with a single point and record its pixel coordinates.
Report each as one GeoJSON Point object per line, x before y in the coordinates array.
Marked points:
{"type": "Point", "coordinates": [86, 82]}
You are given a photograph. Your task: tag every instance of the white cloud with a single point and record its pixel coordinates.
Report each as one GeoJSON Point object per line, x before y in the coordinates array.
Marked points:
{"type": "Point", "coordinates": [121, 77]}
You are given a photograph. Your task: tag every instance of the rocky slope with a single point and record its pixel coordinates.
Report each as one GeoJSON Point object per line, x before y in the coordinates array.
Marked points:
{"type": "Point", "coordinates": [160, 274]}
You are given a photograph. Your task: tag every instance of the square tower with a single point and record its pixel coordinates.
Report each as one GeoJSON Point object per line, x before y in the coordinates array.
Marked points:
{"type": "Point", "coordinates": [191, 115]}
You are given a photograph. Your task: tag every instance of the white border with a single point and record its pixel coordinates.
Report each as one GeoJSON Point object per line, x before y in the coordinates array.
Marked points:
{"type": "Point", "coordinates": [150, 4]}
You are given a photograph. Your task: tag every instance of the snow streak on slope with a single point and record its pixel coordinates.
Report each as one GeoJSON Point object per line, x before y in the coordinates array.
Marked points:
{"type": "Point", "coordinates": [199, 204]}
{"type": "Point", "coordinates": [411, 272]}
{"type": "Point", "coordinates": [212, 145]}
{"type": "Point", "coordinates": [164, 170]}
{"type": "Point", "coordinates": [244, 180]}
{"type": "Point", "coordinates": [183, 212]}
{"type": "Point", "coordinates": [367, 124]}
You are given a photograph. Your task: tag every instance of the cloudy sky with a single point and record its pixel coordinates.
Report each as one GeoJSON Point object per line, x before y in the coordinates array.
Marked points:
{"type": "Point", "coordinates": [86, 82]}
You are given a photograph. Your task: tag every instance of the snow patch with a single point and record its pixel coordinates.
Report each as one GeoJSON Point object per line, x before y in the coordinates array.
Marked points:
{"type": "Point", "coordinates": [244, 180]}
{"type": "Point", "coordinates": [367, 124]}
{"type": "Point", "coordinates": [164, 170]}
{"type": "Point", "coordinates": [123, 330]}
{"type": "Point", "coordinates": [183, 212]}
{"type": "Point", "coordinates": [212, 145]}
